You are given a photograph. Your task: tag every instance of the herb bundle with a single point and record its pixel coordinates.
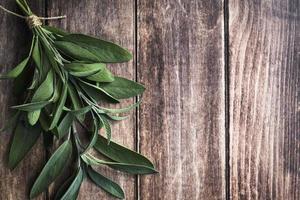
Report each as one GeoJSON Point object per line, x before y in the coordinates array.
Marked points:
{"type": "Point", "coordinates": [69, 82]}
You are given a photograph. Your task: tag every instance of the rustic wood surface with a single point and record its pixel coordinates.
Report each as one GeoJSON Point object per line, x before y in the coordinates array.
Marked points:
{"type": "Point", "coordinates": [221, 115]}
{"type": "Point", "coordinates": [182, 118]}
{"type": "Point", "coordinates": [15, 37]}
{"type": "Point", "coordinates": [264, 99]}
{"type": "Point", "coordinates": [111, 20]}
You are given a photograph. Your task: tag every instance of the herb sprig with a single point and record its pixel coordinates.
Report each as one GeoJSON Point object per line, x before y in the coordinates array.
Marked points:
{"type": "Point", "coordinates": [69, 80]}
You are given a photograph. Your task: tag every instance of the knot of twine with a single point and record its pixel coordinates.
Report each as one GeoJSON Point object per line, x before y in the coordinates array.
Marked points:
{"type": "Point", "coordinates": [32, 20]}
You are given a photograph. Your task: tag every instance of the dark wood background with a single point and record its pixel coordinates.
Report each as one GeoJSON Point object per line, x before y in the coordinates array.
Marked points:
{"type": "Point", "coordinates": [221, 115]}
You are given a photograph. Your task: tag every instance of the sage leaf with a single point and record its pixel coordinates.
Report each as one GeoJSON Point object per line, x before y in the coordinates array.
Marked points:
{"type": "Point", "coordinates": [83, 69]}
{"type": "Point", "coordinates": [125, 167]}
{"type": "Point", "coordinates": [55, 30]}
{"type": "Point", "coordinates": [106, 184]}
{"type": "Point", "coordinates": [118, 110]}
{"type": "Point", "coordinates": [65, 186]}
{"type": "Point", "coordinates": [94, 137]}
{"type": "Point", "coordinates": [52, 169]}
{"type": "Point", "coordinates": [25, 136]}
{"type": "Point", "coordinates": [33, 117]}
{"type": "Point", "coordinates": [92, 49]}
{"type": "Point", "coordinates": [68, 119]}
{"type": "Point", "coordinates": [104, 75]}
{"type": "Point", "coordinates": [45, 90]}
{"type": "Point", "coordinates": [97, 93]}
{"type": "Point", "coordinates": [76, 101]}
{"type": "Point", "coordinates": [81, 111]}
{"type": "Point", "coordinates": [14, 73]}
{"type": "Point", "coordinates": [72, 191]}
{"type": "Point", "coordinates": [31, 106]}
{"type": "Point", "coordinates": [76, 52]}
{"type": "Point", "coordinates": [122, 88]}
{"type": "Point", "coordinates": [43, 93]}
{"type": "Point", "coordinates": [107, 127]}
{"type": "Point", "coordinates": [65, 125]}
{"type": "Point", "coordinates": [119, 153]}
{"type": "Point", "coordinates": [34, 81]}
{"type": "Point", "coordinates": [36, 55]}
{"type": "Point", "coordinates": [20, 83]}
{"type": "Point", "coordinates": [44, 121]}
{"type": "Point", "coordinates": [24, 6]}
{"type": "Point", "coordinates": [116, 118]}
{"type": "Point", "coordinates": [60, 106]}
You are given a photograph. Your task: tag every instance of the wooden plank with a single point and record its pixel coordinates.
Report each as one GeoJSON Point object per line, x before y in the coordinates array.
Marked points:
{"type": "Point", "coordinates": [112, 20]}
{"type": "Point", "coordinates": [264, 99]}
{"type": "Point", "coordinates": [182, 117]}
{"type": "Point", "coordinates": [15, 40]}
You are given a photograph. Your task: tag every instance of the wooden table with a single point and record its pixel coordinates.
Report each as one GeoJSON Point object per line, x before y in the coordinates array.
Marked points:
{"type": "Point", "coordinates": [221, 115]}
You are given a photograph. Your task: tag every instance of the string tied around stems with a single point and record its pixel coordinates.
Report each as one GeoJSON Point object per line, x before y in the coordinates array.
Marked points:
{"type": "Point", "coordinates": [32, 20]}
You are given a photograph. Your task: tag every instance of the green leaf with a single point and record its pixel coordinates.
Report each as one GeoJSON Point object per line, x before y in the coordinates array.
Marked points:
{"type": "Point", "coordinates": [81, 111]}
{"type": "Point", "coordinates": [107, 127]}
{"type": "Point", "coordinates": [125, 167]}
{"type": "Point", "coordinates": [103, 75]}
{"type": "Point", "coordinates": [36, 55]}
{"type": "Point", "coordinates": [76, 101]}
{"type": "Point", "coordinates": [55, 30]}
{"type": "Point", "coordinates": [34, 81]}
{"type": "Point", "coordinates": [41, 60]}
{"type": "Point", "coordinates": [116, 118]}
{"type": "Point", "coordinates": [14, 73]}
{"type": "Point", "coordinates": [59, 107]}
{"type": "Point", "coordinates": [43, 93]}
{"type": "Point", "coordinates": [33, 117]}
{"type": "Point", "coordinates": [65, 125]}
{"type": "Point", "coordinates": [44, 121]}
{"type": "Point", "coordinates": [94, 134]}
{"type": "Point", "coordinates": [24, 6]}
{"type": "Point", "coordinates": [52, 169]}
{"type": "Point", "coordinates": [76, 51]}
{"type": "Point", "coordinates": [83, 69]}
{"type": "Point", "coordinates": [119, 110]}
{"type": "Point", "coordinates": [119, 153]}
{"type": "Point", "coordinates": [65, 186]}
{"type": "Point", "coordinates": [57, 90]}
{"type": "Point", "coordinates": [21, 83]}
{"type": "Point", "coordinates": [31, 106]}
{"type": "Point", "coordinates": [25, 136]}
{"type": "Point", "coordinates": [106, 184]}
{"type": "Point", "coordinates": [74, 187]}
{"type": "Point", "coordinates": [86, 48]}
{"type": "Point", "coordinates": [122, 88]}
{"type": "Point", "coordinates": [45, 90]}
{"type": "Point", "coordinates": [97, 93]}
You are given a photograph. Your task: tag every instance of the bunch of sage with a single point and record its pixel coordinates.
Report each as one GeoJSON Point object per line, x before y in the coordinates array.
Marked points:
{"type": "Point", "coordinates": [69, 82]}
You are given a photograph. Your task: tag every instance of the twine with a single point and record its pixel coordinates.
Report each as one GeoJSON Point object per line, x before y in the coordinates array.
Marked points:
{"type": "Point", "coordinates": [32, 20]}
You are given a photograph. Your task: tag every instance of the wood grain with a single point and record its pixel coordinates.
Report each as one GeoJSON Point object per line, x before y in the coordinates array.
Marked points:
{"type": "Point", "coordinates": [182, 117]}
{"type": "Point", "coordinates": [15, 40]}
{"type": "Point", "coordinates": [111, 20]}
{"type": "Point", "coordinates": [181, 123]}
{"type": "Point", "coordinates": [264, 99]}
